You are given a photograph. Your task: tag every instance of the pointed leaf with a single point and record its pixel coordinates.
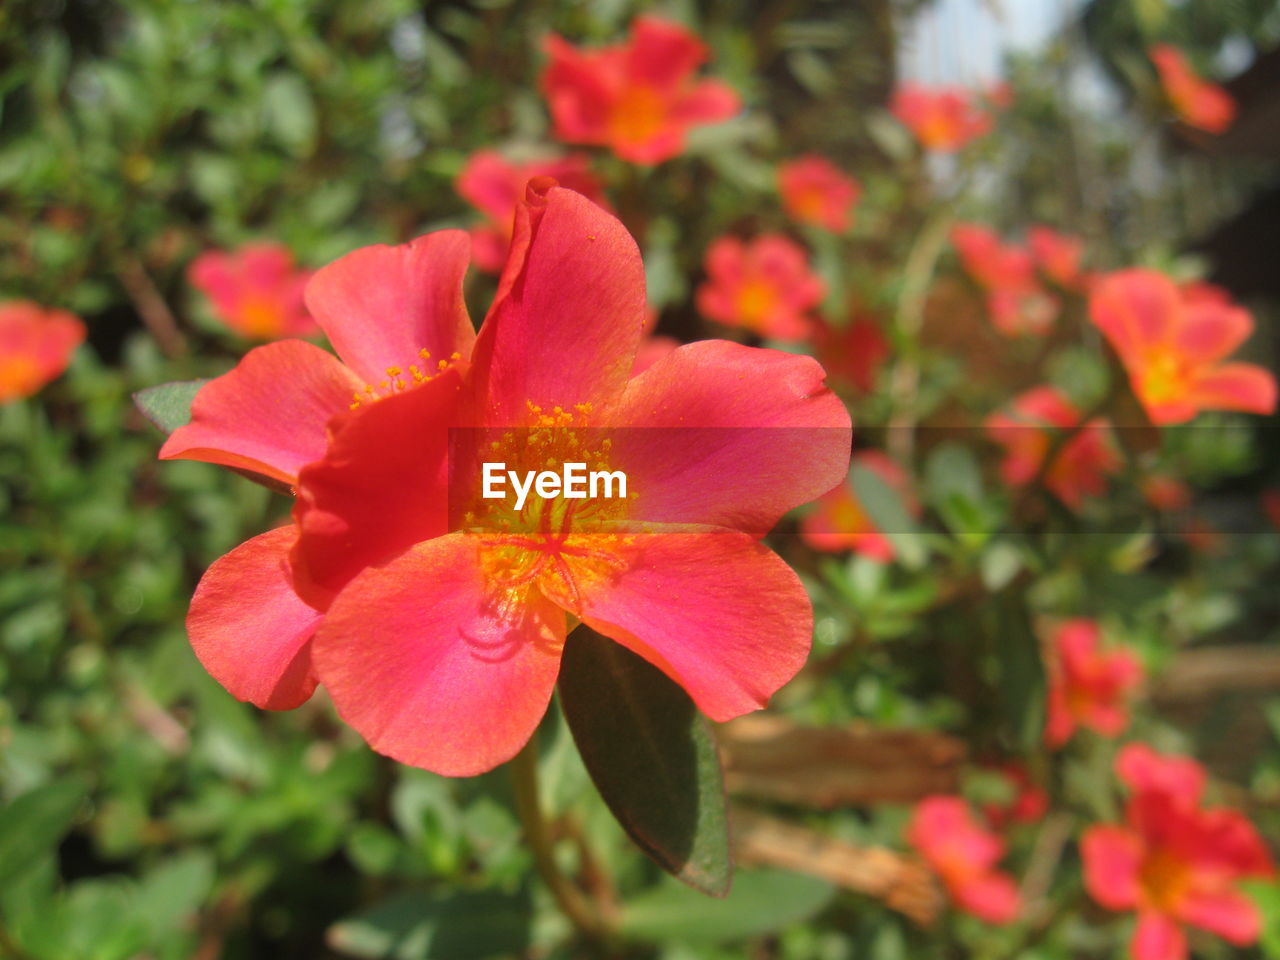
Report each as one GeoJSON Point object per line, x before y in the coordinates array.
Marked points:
{"type": "Point", "coordinates": [168, 405]}
{"type": "Point", "coordinates": [885, 508]}
{"type": "Point", "coordinates": [652, 757]}
{"type": "Point", "coordinates": [33, 825]}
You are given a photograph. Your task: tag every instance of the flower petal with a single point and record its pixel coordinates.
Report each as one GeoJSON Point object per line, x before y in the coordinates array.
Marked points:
{"type": "Point", "coordinates": [1135, 309]}
{"type": "Point", "coordinates": [1235, 386]}
{"type": "Point", "coordinates": [268, 414]}
{"type": "Point", "coordinates": [569, 313]}
{"type": "Point", "coordinates": [381, 487]}
{"type": "Point", "coordinates": [990, 896]}
{"type": "Point", "coordinates": [709, 102]}
{"type": "Point", "coordinates": [1112, 861]}
{"type": "Point", "coordinates": [1144, 770]}
{"type": "Point", "coordinates": [1228, 913]}
{"type": "Point", "coordinates": [380, 305]}
{"type": "Point", "coordinates": [248, 627]}
{"type": "Point", "coordinates": [433, 670]}
{"type": "Point", "coordinates": [683, 603]}
{"type": "Point", "coordinates": [1212, 330]}
{"type": "Point", "coordinates": [1158, 937]}
{"type": "Point", "coordinates": [662, 54]}
{"type": "Point", "coordinates": [730, 435]}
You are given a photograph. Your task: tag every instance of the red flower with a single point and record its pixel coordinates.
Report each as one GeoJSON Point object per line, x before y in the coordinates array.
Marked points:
{"type": "Point", "coordinates": [839, 521]}
{"type": "Point", "coordinates": [1173, 346]}
{"type": "Point", "coordinates": [1028, 801]}
{"type": "Point", "coordinates": [1080, 467]}
{"type": "Point", "coordinates": [35, 346]}
{"type": "Point", "coordinates": [639, 98]}
{"type": "Point", "coordinates": [1088, 687]}
{"type": "Point", "coordinates": [853, 353]}
{"type": "Point", "coordinates": [495, 185]}
{"type": "Point", "coordinates": [964, 855]}
{"type": "Point", "coordinates": [765, 285]}
{"type": "Point", "coordinates": [816, 191]}
{"type": "Point", "coordinates": [1058, 255]}
{"type": "Point", "coordinates": [435, 617]}
{"type": "Point", "coordinates": [1165, 492]}
{"type": "Point", "coordinates": [1205, 106]}
{"type": "Point", "coordinates": [1016, 302]}
{"type": "Point", "coordinates": [942, 119]}
{"type": "Point", "coordinates": [256, 290]}
{"type": "Point", "coordinates": [1175, 862]}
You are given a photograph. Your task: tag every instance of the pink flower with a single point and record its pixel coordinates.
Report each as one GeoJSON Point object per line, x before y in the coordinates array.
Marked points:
{"type": "Point", "coordinates": [1058, 255]}
{"type": "Point", "coordinates": [765, 285]}
{"type": "Point", "coordinates": [839, 521]}
{"type": "Point", "coordinates": [435, 616]}
{"type": "Point", "coordinates": [1088, 687]}
{"type": "Point", "coordinates": [1205, 106]}
{"type": "Point", "coordinates": [495, 185]}
{"type": "Point", "coordinates": [1173, 861]}
{"type": "Point", "coordinates": [1029, 801]}
{"type": "Point", "coordinates": [35, 346]}
{"type": "Point", "coordinates": [1079, 469]}
{"type": "Point", "coordinates": [1174, 346]}
{"type": "Point", "coordinates": [255, 290]}
{"type": "Point", "coordinates": [816, 191]}
{"type": "Point", "coordinates": [942, 119]}
{"type": "Point", "coordinates": [854, 353]}
{"type": "Point", "coordinates": [638, 98]}
{"type": "Point", "coordinates": [1016, 303]}
{"type": "Point", "coordinates": [964, 856]}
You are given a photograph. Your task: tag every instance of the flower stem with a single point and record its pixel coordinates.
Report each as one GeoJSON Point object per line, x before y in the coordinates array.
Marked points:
{"type": "Point", "coordinates": [571, 900]}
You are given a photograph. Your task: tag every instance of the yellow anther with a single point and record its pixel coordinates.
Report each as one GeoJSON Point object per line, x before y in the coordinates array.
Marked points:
{"type": "Point", "coordinates": [393, 371]}
{"type": "Point", "coordinates": [424, 353]}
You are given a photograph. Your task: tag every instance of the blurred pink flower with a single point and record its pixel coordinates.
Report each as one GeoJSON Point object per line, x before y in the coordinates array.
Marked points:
{"type": "Point", "coordinates": [255, 290]}
{"type": "Point", "coordinates": [494, 185]}
{"type": "Point", "coordinates": [1088, 686]}
{"type": "Point", "coordinates": [1200, 104]}
{"type": "Point", "coordinates": [765, 285]}
{"type": "Point", "coordinates": [964, 855]}
{"type": "Point", "coordinates": [36, 344]}
{"type": "Point", "coordinates": [943, 119]}
{"type": "Point", "coordinates": [839, 521]}
{"type": "Point", "coordinates": [814, 190]}
{"type": "Point", "coordinates": [639, 98]}
{"type": "Point", "coordinates": [1173, 861]}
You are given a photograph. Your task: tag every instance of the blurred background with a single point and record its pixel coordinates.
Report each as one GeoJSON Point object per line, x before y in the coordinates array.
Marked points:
{"type": "Point", "coordinates": [144, 813]}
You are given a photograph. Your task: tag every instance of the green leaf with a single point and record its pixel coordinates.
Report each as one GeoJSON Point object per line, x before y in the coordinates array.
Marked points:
{"type": "Point", "coordinates": [1267, 897]}
{"type": "Point", "coordinates": [762, 901]}
{"type": "Point", "coordinates": [651, 756]}
{"type": "Point", "coordinates": [1022, 679]}
{"type": "Point", "coordinates": [417, 925]}
{"type": "Point", "coordinates": [34, 823]}
{"type": "Point", "coordinates": [168, 405]}
{"type": "Point", "coordinates": [890, 515]}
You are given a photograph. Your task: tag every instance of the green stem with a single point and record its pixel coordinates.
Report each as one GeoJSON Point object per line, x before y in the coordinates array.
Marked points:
{"type": "Point", "coordinates": [571, 900]}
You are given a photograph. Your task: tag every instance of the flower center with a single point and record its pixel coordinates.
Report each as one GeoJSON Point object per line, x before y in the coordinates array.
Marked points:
{"type": "Point", "coordinates": [1164, 378]}
{"type": "Point", "coordinates": [261, 318]}
{"type": "Point", "coordinates": [553, 544]}
{"type": "Point", "coordinates": [639, 114]}
{"type": "Point", "coordinates": [19, 376]}
{"type": "Point", "coordinates": [756, 300]}
{"type": "Point", "coordinates": [1164, 878]}
{"type": "Point", "coordinates": [398, 380]}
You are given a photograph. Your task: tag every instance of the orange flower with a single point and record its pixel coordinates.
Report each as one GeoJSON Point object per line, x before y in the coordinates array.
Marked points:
{"type": "Point", "coordinates": [1081, 465]}
{"type": "Point", "coordinates": [840, 523]}
{"type": "Point", "coordinates": [256, 290]}
{"type": "Point", "coordinates": [639, 98]}
{"type": "Point", "coordinates": [765, 285]}
{"type": "Point", "coordinates": [1200, 104]}
{"type": "Point", "coordinates": [816, 191]}
{"type": "Point", "coordinates": [942, 119]}
{"type": "Point", "coordinates": [1016, 303]}
{"type": "Point", "coordinates": [1087, 686]}
{"type": "Point", "coordinates": [964, 856]}
{"type": "Point", "coordinates": [1173, 346]}
{"type": "Point", "coordinates": [35, 346]}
